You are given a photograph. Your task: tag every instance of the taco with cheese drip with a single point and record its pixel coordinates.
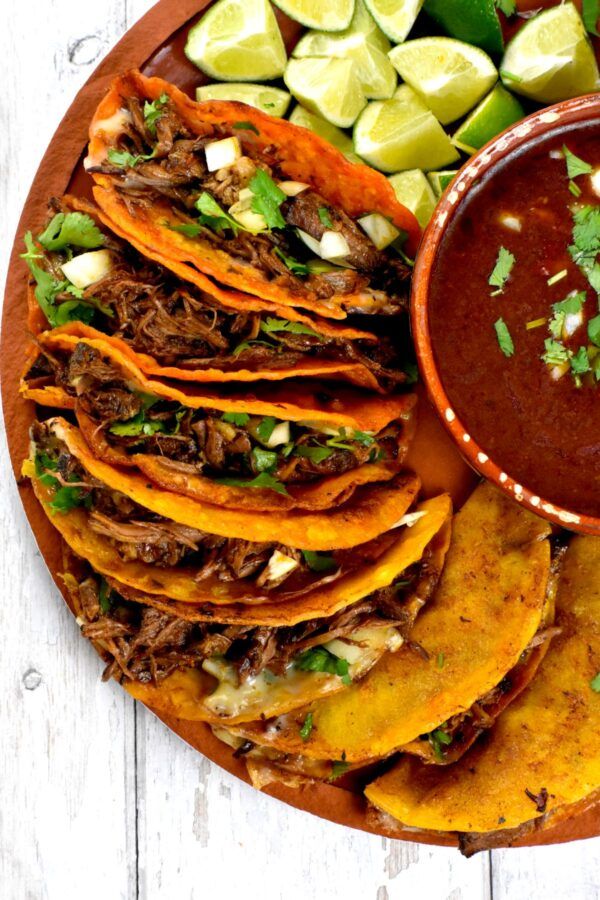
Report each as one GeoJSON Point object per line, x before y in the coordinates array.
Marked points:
{"type": "Point", "coordinates": [251, 201]}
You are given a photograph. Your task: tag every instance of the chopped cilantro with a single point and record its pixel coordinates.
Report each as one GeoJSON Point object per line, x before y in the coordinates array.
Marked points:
{"type": "Point", "coordinates": [265, 428]}
{"type": "Point", "coordinates": [316, 454]}
{"type": "Point", "coordinates": [505, 341]}
{"type": "Point", "coordinates": [272, 326]}
{"type": "Point", "coordinates": [246, 126]}
{"type": "Point", "coordinates": [594, 330]}
{"type": "Point", "coordinates": [508, 7]}
{"type": "Point", "coordinates": [105, 596]}
{"type": "Point", "coordinates": [556, 353]}
{"type": "Point", "coordinates": [595, 683]}
{"type": "Point", "coordinates": [64, 498]}
{"type": "Point", "coordinates": [153, 111]}
{"type": "Point", "coordinates": [73, 229]}
{"type": "Point", "coordinates": [214, 216]}
{"type": "Point", "coordinates": [502, 270]}
{"type": "Point", "coordinates": [295, 267]}
{"type": "Point", "coordinates": [267, 199]}
{"type": "Point", "coordinates": [569, 306]}
{"type": "Point", "coordinates": [590, 14]}
{"type": "Point", "coordinates": [247, 345]}
{"type": "Point", "coordinates": [438, 739]}
{"type": "Point", "coordinates": [575, 189]}
{"type": "Point", "coordinates": [320, 659]}
{"type": "Point", "coordinates": [264, 480]}
{"type": "Point", "coordinates": [306, 727]}
{"type": "Point", "coordinates": [189, 229]}
{"type": "Point", "coordinates": [319, 562]}
{"type": "Point", "coordinates": [325, 217]}
{"type": "Point", "coordinates": [138, 425]}
{"type": "Point", "coordinates": [580, 362]}
{"type": "Point", "coordinates": [441, 658]}
{"type": "Point", "coordinates": [124, 158]}
{"type": "Point", "coordinates": [575, 165]}
{"type": "Point", "coordinates": [338, 768]}
{"type": "Point", "coordinates": [586, 239]}
{"type": "Point", "coordinates": [239, 419]}
{"type": "Point", "coordinates": [264, 460]}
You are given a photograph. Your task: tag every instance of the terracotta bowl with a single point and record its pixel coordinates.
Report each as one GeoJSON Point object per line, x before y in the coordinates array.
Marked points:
{"type": "Point", "coordinates": [535, 126]}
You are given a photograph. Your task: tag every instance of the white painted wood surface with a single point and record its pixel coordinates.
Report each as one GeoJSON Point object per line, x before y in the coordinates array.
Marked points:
{"type": "Point", "coordinates": [97, 799]}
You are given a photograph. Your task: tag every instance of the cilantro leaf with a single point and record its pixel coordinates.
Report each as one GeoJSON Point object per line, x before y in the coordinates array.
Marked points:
{"type": "Point", "coordinates": [267, 199]}
{"type": "Point", "coordinates": [125, 159]}
{"type": "Point", "coordinates": [338, 768]}
{"type": "Point", "coordinates": [575, 165]}
{"type": "Point", "coordinates": [246, 126]}
{"type": "Point", "coordinates": [239, 419]}
{"type": "Point", "coordinates": [64, 498]}
{"type": "Point", "coordinates": [595, 683]}
{"type": "Point", "coordinates": [295, 267]}
{"type": "Point", "coordinates": [586, 236]}
{"type": "Point", "coordinates": [138, 425]}
{"type": "Point", "coordinates": [320, 659]}
{"type": "Point", "coordinates": [105, 596]}
{"type": "Point", "coordinates": [569, 306]}
{"type": "Point", "coordinates": [315, 454]}
{"type": "Point", "coordinates": [306, 727]}
{"type": "Point", "coordinates": [325, 217]}
{"type": "Point", "coordinates": [153, 111]}
{"type": "Point", "coordinates": [247, 345]}
{"type": "Point", "coordinates": [264, 460]}
{"type": "Point", "coordinates": [556, 353]}
{"type": "Point", "coordinates": [214, 216]}
{"type": "Point", "coordinates": [264, 480]}
{"type": "Point", "coordinates": [189, 229]}
{"type": "Point", "coordinates": [505, 341]}
{"type": "Point", "coordinates": [594, 330]}
{"type": "Point", "coordinates": [73, 229]}
{"type": "Point", "coordinates": [265, 428]}
{"type": "Point", "coordinates": [439, 739]}
{"type": "Point", "coordinates": [580, 362]}
{"type": "Point", "coordinates": [272, 326]}
{"type": "Point", "coordinates": [508, 7]}
{"type": "Point", "coordinates": [590, 14]}
{"type": "Point", "coordinates": [502, 270]}
{"type": "Point", "coordinates": [318, 562]}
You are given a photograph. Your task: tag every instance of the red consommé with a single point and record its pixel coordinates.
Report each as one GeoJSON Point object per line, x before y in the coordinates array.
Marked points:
{"type": "Point", "coordinates": [544, 433]}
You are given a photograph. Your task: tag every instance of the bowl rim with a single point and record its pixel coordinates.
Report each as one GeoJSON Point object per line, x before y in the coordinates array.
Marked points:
{"type": "Point", "coordinates": [536, 125]}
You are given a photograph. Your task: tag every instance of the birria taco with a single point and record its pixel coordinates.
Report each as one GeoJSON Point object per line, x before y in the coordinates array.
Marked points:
{"type": "Point", "coordinates": [82, 271]}
{"type": "Point", "coordinates": [485, 622]}
{"type": "Point", "coordinates": [226, 667]}
{"type": "Point", "coordinates": [540, 763]}
{"type": "Point", "coordinates": [249, 200]}
{"type": "Point", "coordinates": [295, 449]}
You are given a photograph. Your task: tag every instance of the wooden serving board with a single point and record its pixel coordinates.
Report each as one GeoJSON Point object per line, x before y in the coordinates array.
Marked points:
{"type": "Point", "coordinates": [155, 45]}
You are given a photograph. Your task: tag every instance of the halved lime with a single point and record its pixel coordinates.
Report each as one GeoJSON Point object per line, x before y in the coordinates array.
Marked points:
{"type": "Point", "coordinates": [238, 40]}
{"type": "Point", "coordinates": [365, 44]}
{"type": "Point", "coordinates": [450, 76]}
{"type": "Point", "coordinates": [269, 99]}
{"type": "Point", "coordinates": [395, 17]}
{"type": "Point", "coordinates": [414, 191]}
{"type": "Point", "coordinates": [499, 110]}
{"type": "Point", "coordinates": [327, 15]}
{"type": "Point", "coordinates": [402, 133]}
{"type": "Point", "coordinates": [328, 87]}
{"type": "Point", "coordinates": [439, 181]}
{"type": "Point", "coordinates": [551, 58]}
{"type": "Point", "coordinates": [473, 21]}
{"type": "Point", "coordinates": [326, 130]}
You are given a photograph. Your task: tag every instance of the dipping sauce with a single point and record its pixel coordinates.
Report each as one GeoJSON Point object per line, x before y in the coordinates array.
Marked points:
{"type": "Point", "coordinates": [514, 316]}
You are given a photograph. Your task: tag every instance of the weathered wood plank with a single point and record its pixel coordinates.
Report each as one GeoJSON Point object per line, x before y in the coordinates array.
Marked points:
{"type": "Point", "coordinates": [567, 871]}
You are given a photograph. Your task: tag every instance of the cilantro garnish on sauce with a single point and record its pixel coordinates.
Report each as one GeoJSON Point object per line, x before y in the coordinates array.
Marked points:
{"type": "Point", "coordinates": [501, 271]}
{"type": "Point", "coordinates": [505, 341]}
{"type": "Point", "coordinates": [575, 165]}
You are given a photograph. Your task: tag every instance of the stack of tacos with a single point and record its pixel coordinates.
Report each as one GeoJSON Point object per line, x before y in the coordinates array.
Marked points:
{"type": "Point", "coordinates": [219, 362]}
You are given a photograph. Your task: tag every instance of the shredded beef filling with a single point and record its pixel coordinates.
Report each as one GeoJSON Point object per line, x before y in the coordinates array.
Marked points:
{"type": "Point", "coordinates": [177, 171]}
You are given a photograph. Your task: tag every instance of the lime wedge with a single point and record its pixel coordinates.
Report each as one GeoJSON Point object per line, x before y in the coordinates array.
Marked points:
{"type": "Point", "coordinates": [335, 136]}
{"type": "Point", "coordinates": [365, 44]}
{"type": "Point", "coordinates": [499, 110]}
{"type": "Point", "coordinates": [395, 17]}
{"type": "Point", "coordinates": [439, 181]}
{"type": "Point", "coordinates": [328, 87]}
{"type": "Point", "coordinates": [269, 99]}
{"type": "Point", "coordinates": [473, 21]}
{"type": "Point", "coordinates": [402, 133]}
{"type": "Point", "coordinates": [451, 77]}
{"type": "Point", "coordinates": [327, 15]}
{"type": "Point", "coordinates": [238, 40]}
{"type": "Point", "coordinates": [551, 58]}
{"type": "Point", "coordinates": [414, 191]}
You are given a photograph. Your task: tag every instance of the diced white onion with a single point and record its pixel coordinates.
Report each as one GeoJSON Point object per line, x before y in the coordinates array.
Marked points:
{"type": "Point", "coordinates": [410, 519]}
{"type": "Point", "coordinates": [556, 154]}
{"type": "Point", "coordinates": [513, 223]}
{"type": "Point", "coordinates": [220, 154]}
{"type": "Point", "coordinates": [88, 268]}
{"type": "Point", "coordinates": [311, 242]}
{"type": "Point", "coordinates": [350, 652]}
{"type": "Point", "coordinates": [278, 567]}
{"type": "Point", "coordinates": [254, 222]}
{"type": "Point", "coordinates": [572, 322]}
{"type": "Point", "coordinates": [379, 229]}
{"type": "Point", "coordinates": [334, 246]}
{"type": "Point", "coordinates": [279, 435]}
{"type": "Point", "coordinates": [292, 188]}
{"type": "Point", "coordinates": [557, 372]}
{"type": "Point", "coordinates": [595, 179]}
{"type": "Point", "coordinates": [246, 196]}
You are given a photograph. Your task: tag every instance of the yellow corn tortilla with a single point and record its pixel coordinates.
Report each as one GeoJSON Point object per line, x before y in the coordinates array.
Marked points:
{"type": "Point", "coordinates": [548, 738]}
{"type": "Point", "coordinates": [487, 608]}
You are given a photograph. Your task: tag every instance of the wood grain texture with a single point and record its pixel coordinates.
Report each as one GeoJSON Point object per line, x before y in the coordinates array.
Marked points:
{"type": "Point", "coordinates": [97, 798]}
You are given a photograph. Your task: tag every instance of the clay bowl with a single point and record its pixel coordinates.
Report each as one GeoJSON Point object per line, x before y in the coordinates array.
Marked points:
{"type": "Point", "coordinates": [535, 127]}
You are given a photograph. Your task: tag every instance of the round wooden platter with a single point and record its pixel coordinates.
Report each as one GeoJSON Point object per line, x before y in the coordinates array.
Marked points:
{"type": "Point", "coordinates": [155, 45]}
